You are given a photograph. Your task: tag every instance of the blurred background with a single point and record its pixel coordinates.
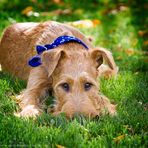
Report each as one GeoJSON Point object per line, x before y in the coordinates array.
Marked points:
{"type": "Point", "coordinates": [118, 25]}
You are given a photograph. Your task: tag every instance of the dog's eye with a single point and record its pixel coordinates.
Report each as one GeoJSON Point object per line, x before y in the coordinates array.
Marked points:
{"type": "Point", "coordinates": [87, 86]}
{"type": "Point", "coordinates": [65, 86]}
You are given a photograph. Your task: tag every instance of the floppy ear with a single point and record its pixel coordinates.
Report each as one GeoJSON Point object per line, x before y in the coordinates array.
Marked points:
{"type": "Point", "coordinates": [101, 55]}
{"type": "Point", "coordinates": [50, 59]}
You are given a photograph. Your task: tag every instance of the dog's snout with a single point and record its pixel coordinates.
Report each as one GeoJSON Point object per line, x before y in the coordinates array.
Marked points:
{"type": "Point", "coordinates": [72, 109]}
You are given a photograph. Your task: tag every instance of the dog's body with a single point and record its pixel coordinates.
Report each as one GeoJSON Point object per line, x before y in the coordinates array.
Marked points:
{"type": "Point", "coordinates": [69, 70]}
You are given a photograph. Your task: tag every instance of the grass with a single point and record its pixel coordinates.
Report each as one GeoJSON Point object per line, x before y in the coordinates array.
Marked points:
{"type": "Point", "coordinates": [118, 31]}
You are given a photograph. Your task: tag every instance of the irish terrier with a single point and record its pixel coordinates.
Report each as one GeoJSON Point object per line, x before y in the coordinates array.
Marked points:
{"type": "Point", "coordinates": [66, 63]}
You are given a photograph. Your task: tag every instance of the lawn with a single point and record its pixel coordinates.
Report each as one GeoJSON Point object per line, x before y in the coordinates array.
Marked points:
{"type": "Point", "coordinates": [120, 27]}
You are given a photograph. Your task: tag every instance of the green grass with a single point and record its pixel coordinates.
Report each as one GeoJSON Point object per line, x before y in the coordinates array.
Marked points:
{"type": "Point", "coordinates": [118, 32]}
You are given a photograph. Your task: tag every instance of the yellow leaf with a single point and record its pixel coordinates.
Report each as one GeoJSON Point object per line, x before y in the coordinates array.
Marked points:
{"type": "Point", "coordinates": [58, 1]}
{"type": "Point", "coordinates": [85, 23]}
{"type": "Point", "coordinates": [60, 146]}
{"type": "Point", "coordinates": [141, 33]}
{"type": "Point", "coordinates": [27, 10]}
{"type": "Point", "coordinates": [96, 22]}
{"type": "Point", "coordinates": [145, 43]}
{"type": "Point", "coordinates": [117, 139]}
{"type": "Point", "coordinates": [129, 52]}
{"type": "Point", "coordinates": [79, 11]}
{"type": "Point", "coordinates": [119, 58]}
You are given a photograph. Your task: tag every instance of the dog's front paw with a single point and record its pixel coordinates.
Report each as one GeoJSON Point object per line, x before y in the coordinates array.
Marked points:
{"type": "Point", "coordinates": [29, 111]}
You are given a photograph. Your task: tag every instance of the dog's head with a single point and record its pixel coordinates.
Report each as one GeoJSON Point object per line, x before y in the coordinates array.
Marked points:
{"type": "Point", "coordinates": [74, 72]}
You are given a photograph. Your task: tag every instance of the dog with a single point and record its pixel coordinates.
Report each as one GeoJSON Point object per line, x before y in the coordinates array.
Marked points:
{"type": "Point", "coordinates": [70, 70]}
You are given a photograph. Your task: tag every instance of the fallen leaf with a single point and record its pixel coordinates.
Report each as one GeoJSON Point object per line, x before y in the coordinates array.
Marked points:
{"type": "Point", "coordinates": [145, 43]}
{"type": "Point", "coordinates": [141, 33]}
{"type": "Point", "coordinates": [58, 1]}
{"type": "Point", "coordinates": [59, 146]}
{"type": "Point", "coordinates": [119, 58]}
{"type": "Point", "coordinates": [17, 100]}
{"type": "Point", "coordinates": [78, 11]}
{"type": "Point", "coordinates": [85, 23]}
{"type": "Point", "coordinates": [129, 52]}
{"type": "Point", "coordinates": [57, 12]}
{"type": "Point", "coordinates": [62, 12]}
{"type": "Point", "coordinates": [119, 138]}
{"type": "Point", "coordinates": [96, 22]}
{"type": "Point", "coordinates": [27, 10]}
{"type": "Point", "coordinates": [46, 13]}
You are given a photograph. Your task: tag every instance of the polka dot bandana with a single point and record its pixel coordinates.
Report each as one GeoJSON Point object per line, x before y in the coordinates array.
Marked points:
{"type": "Point", "coordinates": [36, 60]}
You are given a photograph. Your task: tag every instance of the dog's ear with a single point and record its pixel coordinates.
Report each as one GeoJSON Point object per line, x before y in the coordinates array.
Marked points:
{"type": "Point", "coordinates": [101, 55]}
{"type": "Point", "coordinates": [51, 58]}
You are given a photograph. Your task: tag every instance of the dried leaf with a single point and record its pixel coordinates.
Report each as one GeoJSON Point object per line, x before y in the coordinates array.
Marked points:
{"type": "Point", "coordinates": [58, 1]}
{"type": "Point", "coordinates": [141, 33]}
{"type": "Point", "coordinates": [46, 14]}
{"type": "Point", "coordinates": [129, 52]}
{"type": "Point", "coordinates": [60, 146]}
{"type": "Point", "coordinates": [78, 11]}
{"type": "Point", "coordinates": [145, 43]}
{"type": "Point", "coordinates": [85, 23]}
{"type": "Point", "coordinates": [119, 138]}
{"type": "Point", "coordinates": [17, 100]}
{"type": "Point", "coordinates": [96, 22]}
{"type": "Point", "coordinates": [27, 10]}
{"type": "Point", "coordinates": [119, 58]}
{"type": "Point", "coordinates": [57, 12]}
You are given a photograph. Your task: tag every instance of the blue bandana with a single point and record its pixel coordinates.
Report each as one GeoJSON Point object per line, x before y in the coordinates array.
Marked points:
{"type": "Point", "coordinates": [36, 60]}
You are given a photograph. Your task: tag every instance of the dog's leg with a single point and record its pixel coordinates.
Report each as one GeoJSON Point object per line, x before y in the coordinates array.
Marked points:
{"type": "Point", "coordinates": [32, 97]}
{"type": "Point", "coordinates": [105, 106]}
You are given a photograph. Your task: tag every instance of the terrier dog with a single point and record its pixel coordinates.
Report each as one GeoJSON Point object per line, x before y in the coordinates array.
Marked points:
{"type": "Point", "coordinates": [66, 63]}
